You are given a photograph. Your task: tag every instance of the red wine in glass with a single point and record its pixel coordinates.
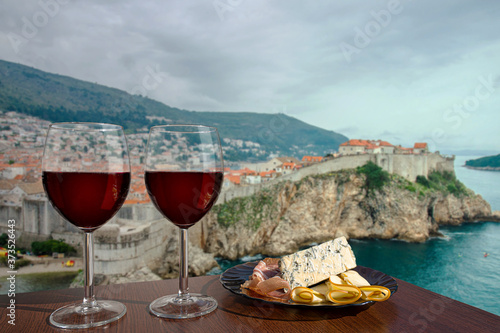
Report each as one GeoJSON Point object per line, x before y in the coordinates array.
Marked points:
{"type": "Point", "coordinates": [86, 199]}
{"type": "Point", "coordinates": [86, 176]}
{"type": "Point", "coordinates": [183, 175]}
{"type": "Point", "coordinates": [183, 197]}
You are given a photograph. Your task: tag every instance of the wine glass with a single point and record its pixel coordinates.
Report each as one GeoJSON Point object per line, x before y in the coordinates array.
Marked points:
{"type": "Point", "coordinates": [184, 172]}
{"type": "Point", "coordinates": [86, 176]}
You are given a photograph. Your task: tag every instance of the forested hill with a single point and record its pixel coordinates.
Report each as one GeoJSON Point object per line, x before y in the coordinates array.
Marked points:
{"type": "Point", "coordinates": [492, 162]}
{"type": "Point", "coordinates": [61, 98]}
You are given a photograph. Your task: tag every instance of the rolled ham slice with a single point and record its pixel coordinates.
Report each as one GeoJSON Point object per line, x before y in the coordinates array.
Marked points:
{"type": "Point", "coordinates": [266, 280]}
{"type": "Point", "coordinates": [266, 269]}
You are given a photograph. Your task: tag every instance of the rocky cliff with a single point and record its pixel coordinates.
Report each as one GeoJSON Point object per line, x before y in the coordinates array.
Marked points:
{"type": "Point", "coordinates": [282, 218]}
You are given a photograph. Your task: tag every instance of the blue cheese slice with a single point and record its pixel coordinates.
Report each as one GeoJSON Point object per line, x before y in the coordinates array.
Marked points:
{"type": "Point", "coordinates": [317, 263]}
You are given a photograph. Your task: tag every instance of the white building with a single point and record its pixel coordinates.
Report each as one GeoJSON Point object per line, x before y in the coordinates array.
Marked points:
{"type": "Point", "coordinates": [273, 164]}
{"type": "Point", "coordinates": [356, 147]}
{"type": "Point", "coordinates": [13, 170]}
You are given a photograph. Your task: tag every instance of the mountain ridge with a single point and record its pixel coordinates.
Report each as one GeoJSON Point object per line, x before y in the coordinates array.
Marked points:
{"type": "Point", "coordinates": [57, 98]}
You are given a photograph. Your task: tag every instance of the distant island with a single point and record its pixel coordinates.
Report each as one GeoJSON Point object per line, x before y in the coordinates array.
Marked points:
{"type": "Point", "coordinates": [491, 163]}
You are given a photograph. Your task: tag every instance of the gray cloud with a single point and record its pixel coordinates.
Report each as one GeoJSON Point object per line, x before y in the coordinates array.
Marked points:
{"type": "Point", "coordinates": [410, 62]}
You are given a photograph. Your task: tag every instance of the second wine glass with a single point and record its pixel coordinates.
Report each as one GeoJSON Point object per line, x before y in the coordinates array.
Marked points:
{"type": "Point", "coordinates": [184, 173]}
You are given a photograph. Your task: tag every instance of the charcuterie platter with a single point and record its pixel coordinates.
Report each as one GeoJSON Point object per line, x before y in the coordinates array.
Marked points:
{"type": "Point", "coordinates": [311, 278]}
{"type": "Point", "coordinates": [234, 277]}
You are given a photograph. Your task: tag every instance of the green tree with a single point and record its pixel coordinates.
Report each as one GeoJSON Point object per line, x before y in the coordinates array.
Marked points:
{"type": "Point", "coordinates": [423, 181]}
{"type": "Point", "coordinates": [4, 240]}
{"type": "Point", "coordinates": [375, 176]}
{"type": "Point", "coordinates": [50, 246]}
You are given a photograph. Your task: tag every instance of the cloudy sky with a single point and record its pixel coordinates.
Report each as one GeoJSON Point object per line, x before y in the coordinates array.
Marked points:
{"type": "Point", "coordinates": [398, 70]}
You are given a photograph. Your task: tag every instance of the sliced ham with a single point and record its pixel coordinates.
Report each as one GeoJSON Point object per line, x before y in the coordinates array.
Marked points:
{"type": "Point", "coordinates": [266, 269]}
{"type": "Point", "coordinates": [272, 284]}
{"type": "Point", "coordinates": [266, 280]}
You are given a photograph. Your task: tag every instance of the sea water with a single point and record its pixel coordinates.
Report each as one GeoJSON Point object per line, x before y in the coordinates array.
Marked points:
{"type": "Point", "coordinates": [463, 265]}
{"type": "Point", "coordinates": [38, 281]}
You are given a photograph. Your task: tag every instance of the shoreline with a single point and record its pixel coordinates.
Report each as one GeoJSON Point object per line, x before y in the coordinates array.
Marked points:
{"type": "Point", "coordinates": [482, 168]}
{"type": "Point", "coordinates": [44, 265]}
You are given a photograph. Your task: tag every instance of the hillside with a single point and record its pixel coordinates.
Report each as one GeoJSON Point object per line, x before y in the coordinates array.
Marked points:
{"type": "Point", "coordinates": [60, 98]}
{"type": "Point", "coordinates": [487, 163]}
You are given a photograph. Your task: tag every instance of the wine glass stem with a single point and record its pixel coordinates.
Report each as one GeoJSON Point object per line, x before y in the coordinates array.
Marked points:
{"type": "Point", "coordinates": [183, 264]}
{"type": "Point", "coordinates": [89, 299]}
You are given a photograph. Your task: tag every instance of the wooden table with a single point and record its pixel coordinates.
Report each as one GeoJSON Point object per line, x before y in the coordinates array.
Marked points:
{"type": "Point", "coordinates": [410, 309]}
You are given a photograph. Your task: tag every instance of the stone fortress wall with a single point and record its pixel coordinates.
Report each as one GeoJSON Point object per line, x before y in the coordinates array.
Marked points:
{"type": "Point", "coordinates": [134, 238]}
{"type": "Point", "coordinates": [138, 235]}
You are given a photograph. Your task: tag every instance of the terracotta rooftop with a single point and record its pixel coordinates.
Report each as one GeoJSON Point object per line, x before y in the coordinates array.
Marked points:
{"type": "Point", "coordinates": [420, 145]}
{"type": "Point", "coordinates": [355, 142]}
{"type": "Point", "coordinates": [233, 179]}
{"type": "Point", "coordinates": [288, 159]}
{"type": "Point", "coordinates": [136, 201]}
{"type": "Point", "coordinates": [31, 188]}
{"type": "Point", "coordinates": [358, 142]}
{"type": "Point", "coordinates": [267, 173]}
{"type": "Point", "coordinates": [245, 171]}
{"type": "Point", "coordinates": [312, 158]}
{"type": "Point", "coordinates": [8, 184]}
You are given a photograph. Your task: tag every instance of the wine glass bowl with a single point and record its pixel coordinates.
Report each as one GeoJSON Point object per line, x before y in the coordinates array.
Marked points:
{"type": "Point", "coordinates": [184, 174]}
{"type": "Point", "coordinates": [86, 176]}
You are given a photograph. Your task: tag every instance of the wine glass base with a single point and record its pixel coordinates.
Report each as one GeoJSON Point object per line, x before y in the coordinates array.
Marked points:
{"type": "Point", "coordinates": [76, 316]}
{"type": "Point", "coordinates": [189, 306]}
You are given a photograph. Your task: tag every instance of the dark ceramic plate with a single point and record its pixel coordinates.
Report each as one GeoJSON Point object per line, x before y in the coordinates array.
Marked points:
{"type": "Point", "coordinates": [234, 277]}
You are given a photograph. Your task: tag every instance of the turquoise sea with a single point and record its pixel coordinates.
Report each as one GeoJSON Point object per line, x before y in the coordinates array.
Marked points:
{"type": "Point", "coordinates": [38, 281]}
{"type": "Point", "coordinates": [454, 265]}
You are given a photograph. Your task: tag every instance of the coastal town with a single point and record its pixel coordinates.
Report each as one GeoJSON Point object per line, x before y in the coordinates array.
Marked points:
{"type": "Point", "coordinates": [21, 148]}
